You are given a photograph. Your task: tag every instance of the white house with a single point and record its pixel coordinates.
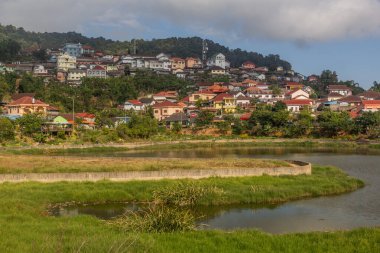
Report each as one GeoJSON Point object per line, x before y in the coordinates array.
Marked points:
{"type": "Point", "coordinates": [134, 105]}
{"type": "Point", "coordinates": [297, 94]}
{"type": "Point", "coordinates": [218, 60]}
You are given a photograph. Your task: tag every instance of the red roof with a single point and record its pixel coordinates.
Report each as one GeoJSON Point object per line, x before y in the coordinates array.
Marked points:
{"type": "Point", "coordinates": [298, 102]}
{"type": "Point", "coordinates": [27, 101]}
{"type": "Point", "coordinates": [98, 68]}
{"type": "Point", "coordinates": [166, 103]}
{"type": "Point", "coordinates": [135, 102]}
{"type": "Point", "coordinates": [220, 97]}
{"type": "Point", "coordinates": [166, 94]}
{"type": "Point", "coordinates": [246, 116]}
{"type": "Point", "coordinates": [85, 115]}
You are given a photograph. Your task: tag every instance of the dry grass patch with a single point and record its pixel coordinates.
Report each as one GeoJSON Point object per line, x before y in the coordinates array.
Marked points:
{"type": "Point", "coordinates": [49, 164]}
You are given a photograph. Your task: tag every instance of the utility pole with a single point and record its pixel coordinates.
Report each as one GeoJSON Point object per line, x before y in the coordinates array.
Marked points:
{"type": "Point", "coordinates": [73, 114]}
{"type": "Point", "coordinates": [204, 53]}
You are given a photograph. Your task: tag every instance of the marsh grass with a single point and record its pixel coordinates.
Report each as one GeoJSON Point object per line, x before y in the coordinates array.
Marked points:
{"type": "Point", "coordinates": [156, 219]}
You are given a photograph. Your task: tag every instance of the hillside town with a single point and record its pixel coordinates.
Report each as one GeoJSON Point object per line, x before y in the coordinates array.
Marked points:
{"type": "Point", "coordinates": [238, 91]}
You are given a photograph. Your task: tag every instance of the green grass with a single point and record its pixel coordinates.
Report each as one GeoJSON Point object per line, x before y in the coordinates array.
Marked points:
{"type": "Point", "coordinates": [26, 227]}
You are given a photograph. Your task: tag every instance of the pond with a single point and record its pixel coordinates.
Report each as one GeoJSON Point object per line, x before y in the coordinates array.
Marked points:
{"type": "Point", "coordinates": [358, 209]}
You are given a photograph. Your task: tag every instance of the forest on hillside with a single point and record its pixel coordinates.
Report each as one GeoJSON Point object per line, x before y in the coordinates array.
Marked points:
{"type": "Point", "coordinates": [18, 44]}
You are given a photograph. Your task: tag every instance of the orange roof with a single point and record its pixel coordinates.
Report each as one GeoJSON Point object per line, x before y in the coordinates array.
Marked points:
{"type": "Point", "coordinates": [135, 102]}
{"type": "Point", "coordinates": [166, 94]}
{"type": "Point", "coordinates": [371, 102]}
{"type": "Point", "coordinates": [85, 115]}
{"type": "Point", "coordinates": [27, 101]}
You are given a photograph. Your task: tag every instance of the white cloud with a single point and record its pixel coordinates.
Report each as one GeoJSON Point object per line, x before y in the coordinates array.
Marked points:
{"type": "Point", "coordinates": [301, 21]}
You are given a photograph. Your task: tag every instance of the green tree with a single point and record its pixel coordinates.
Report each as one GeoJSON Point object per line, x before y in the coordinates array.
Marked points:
{"type": "Point", "coordinates": [334, 123]}
{"type": "Point", "coordinates": [7, 129]}
{"type": "Point", "coordinates": [30, 124]}
{"type": "Point", "coordinates": [368, 123]}
{"type": "Point", "coordinates": [204, 118]}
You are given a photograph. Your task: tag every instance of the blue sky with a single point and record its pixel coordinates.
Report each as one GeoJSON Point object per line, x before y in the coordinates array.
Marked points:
{"type": "Point", "coordinates": [341, 35]}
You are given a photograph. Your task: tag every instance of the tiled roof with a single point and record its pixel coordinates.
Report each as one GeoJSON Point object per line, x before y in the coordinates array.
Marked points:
{"type": "Point", "coordinates": [27, 101]}
{"type": "Point", "coordinates": [371, 102]}
{"type": "Point", "coordinates": [135, 102]}
{"type": "Point", "coordinates": [221, 97]}
{"type": "Point", "coordinates": [351, 99]}
{"type": "Point", "coordinates": [20, 95]}
{"type": "Point", "coordinates": [335, 94]}
{"type": "Point", "coordinates": [98, 68]}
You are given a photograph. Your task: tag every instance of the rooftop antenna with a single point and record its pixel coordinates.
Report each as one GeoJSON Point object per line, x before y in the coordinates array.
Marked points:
{"type": "Point", "coordinates": [134, 47]}
{"type": "Point", "coordinates": [204, 52]}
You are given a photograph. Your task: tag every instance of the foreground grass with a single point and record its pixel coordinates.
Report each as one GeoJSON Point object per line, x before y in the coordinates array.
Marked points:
{"type": "Point", "coordinates": [48, 164]}
{"type": "Point", "coordinates": [26, 227]}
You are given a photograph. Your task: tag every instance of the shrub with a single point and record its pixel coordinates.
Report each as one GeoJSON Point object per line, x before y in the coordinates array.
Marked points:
{"type": "Point", "coordinates": [7, 129]}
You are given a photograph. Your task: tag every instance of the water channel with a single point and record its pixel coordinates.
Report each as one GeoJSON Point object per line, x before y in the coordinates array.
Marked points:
{"type": "Point", "coordinates": [348, 211]}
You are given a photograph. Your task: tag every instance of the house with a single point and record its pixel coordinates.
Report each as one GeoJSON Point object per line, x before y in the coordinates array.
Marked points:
{"type": "Point", "coordinates": [88, 50]}
{"type": "Point", "coordinates": [371, 105]}
{"type": "Point", "coordinates": [76, 75]}
{"type": "Point", "coordinates": [203, 85]}
{"type": "Point", "coordinates": [97, 72]}
{"type": "Point", "coordinates": [165, 95]}
{"type": "Point", "coordinates": [216, 70]}
{"type": "Point", "coordinates": [147, 101]}
{"type": "Point", "coordinates": [351, 101]}
{"type": "Point", "coordinates": [297, 94]}
{"type": "Point", "coordinates": [193, 63]}
{"type": "Point", "coordinates": [343, 90]}
{"type": "Point", "coordinates": [217, 60]}
{"type": "Point", "coordinates": [179, 117]}
{"type": "Point", "coordinates": [165, 109]}
{"type": "Point", "coordinates": [248, 65]}
{"type": "Point", "coordinates": [73, 49]}
{"type": "Point", "coordinates": [333, 96]}
{"type": "Point", "coordinates": [261, 94]}
{"type": "Point", "coordinates": [66, 62]}
{"type": "Point", "coordinates": [203, 95]}
{"type": "Point", "coordinates": [250, 83]}
{"type": "Point", "coordinates": [216, 88]}
{"type": "Point", "coordinates": [39, 70]}
{"type": "Point", "coordinates": [291, 86]}
{"type": "Point", "coordinates": [177, 63]}
{"type": "Point", "coordinates": [26, 105]}
{"type": "Point", "coordinates": [370, 95]}
{"type": "Point", "coordinates": [225, 102]}
{"type": "Point", "coordinates": [312, 78]}
{"type": "Point", "coordinates": [243, 101]}
{"type": "Point", "coordinates": [280, 69]}
{"type": "Point", "coordinates": [297, 105]}
{"type": "Point", "coordinates": [86, 120]}
{"type": "Point", "coordinates": [135, 105]}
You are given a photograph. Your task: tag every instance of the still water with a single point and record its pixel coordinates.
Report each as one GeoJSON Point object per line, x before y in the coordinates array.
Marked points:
{"type": "Point", "coordinates": [358, 209]}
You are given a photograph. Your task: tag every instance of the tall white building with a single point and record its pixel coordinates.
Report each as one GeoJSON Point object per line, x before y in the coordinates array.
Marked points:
{"type": "Point", "coordinates": [218, 60]}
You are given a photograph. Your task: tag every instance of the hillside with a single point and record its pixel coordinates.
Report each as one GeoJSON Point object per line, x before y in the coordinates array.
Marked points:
{"type": "Point", "coordinates": [181, 47]}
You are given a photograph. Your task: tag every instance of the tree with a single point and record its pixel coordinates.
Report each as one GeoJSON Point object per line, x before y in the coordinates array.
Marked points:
{"type": "Point", "coordinates": [368, 122]}
{"type": "Point", "coordinates": [30, 124]}
{"type": "Point", "coordinates": [334, 123]}
{"type": "Point", "coordinates": [7, 129]}
{"type": "Point", "coordinates": [139, 126]}
{"type": "Point", "coordinates": [204, 118]}
{"type": "Point", "coordinates": [177, 127]}
{"type": "Point", "coordinates": [376, 86]}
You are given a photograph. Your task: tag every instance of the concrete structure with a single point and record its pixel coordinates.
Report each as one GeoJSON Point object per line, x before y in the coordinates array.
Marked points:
{"type": "Point", "coordinates": [97, 72]}
{"type": "Point", "coordinates": [76, 75]}
{"type": "Point", "coordinates": [218, 60]}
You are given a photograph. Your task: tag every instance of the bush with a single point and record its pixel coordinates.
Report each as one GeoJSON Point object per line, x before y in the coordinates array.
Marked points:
{"type": "Point", "coordinates": [7, 129]}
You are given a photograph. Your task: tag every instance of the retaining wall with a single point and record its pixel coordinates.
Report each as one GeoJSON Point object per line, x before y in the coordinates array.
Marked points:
{"type": "Point", "coordinates": [297, 168]}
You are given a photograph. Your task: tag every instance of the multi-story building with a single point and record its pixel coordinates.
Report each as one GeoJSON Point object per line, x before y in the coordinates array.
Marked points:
{"type": "Point", "coordinates": [340, 89]}
{"type": "Point", "coordinates": [218, 60]}
{"type": "Point", "coordinates": [73, 49]}
{"type": "Point", "coordinates": [76, 75]}
{"type": "Point", "coordinates": [165, 109]}
{"type": "Point", "coordinates": [177, 63]}
{"type": "Point", "coordinates": [26, 105]}
{"type": "Point", "coordinates": [97, 72]}
{"type": "Point", "coordinates": [66, 62]}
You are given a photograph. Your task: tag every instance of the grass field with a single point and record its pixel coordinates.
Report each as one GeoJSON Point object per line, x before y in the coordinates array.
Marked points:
{"type": "Point", "coordinates": [26, 227]}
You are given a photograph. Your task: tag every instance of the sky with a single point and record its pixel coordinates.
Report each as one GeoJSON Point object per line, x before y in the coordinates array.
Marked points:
{"type": "Point", "coordinates": [313, 35]}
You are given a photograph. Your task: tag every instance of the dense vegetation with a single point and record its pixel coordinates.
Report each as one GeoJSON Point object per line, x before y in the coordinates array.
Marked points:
{"type": "Point", "coordinates": [181, 47]}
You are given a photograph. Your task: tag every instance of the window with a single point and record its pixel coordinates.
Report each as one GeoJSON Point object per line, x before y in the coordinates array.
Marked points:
{"type": "Point", "coordinates": [165, 111]}
{"type": "Point", "coordinates": [155, 111]}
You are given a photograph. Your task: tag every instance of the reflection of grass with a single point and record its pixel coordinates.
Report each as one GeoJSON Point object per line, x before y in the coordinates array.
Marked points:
{"type": "Point", "coordinates": [46, 164]}
{"type": "Point", "coordinates": [25, 227]}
